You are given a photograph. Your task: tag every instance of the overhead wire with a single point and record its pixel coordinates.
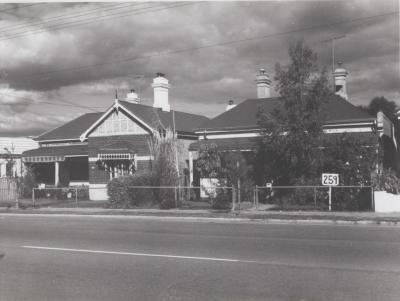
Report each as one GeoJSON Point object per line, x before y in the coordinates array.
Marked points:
{"type": "Point", "coordinates": [104, 8]}
{"type": "Point", "coordinates": [208, 46]}
{"type": "Point", "coordinates": [93, 20]}
{"type": "Point", "coordinates": [31, 102]}
{"type": "Point", "coordinates": [212, 45]}
{"type": "Point", "coordinates": [18, 7]}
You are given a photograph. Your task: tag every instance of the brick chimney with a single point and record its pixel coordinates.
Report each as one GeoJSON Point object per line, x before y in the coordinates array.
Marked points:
{"type": "Point", "coordinates": [263, 85]}
{"type": "Point", "coordinates": [161, 86]}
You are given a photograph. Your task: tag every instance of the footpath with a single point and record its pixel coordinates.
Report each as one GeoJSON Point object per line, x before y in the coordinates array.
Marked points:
{"type": "Point", "coordinates": [267, 216]}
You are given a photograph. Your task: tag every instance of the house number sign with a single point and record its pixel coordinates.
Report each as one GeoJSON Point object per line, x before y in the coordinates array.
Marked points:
{"type": "Point", "coordinates": [330, 179]}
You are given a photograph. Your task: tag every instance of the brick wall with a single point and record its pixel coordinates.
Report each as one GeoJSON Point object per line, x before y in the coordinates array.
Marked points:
{"type": "Point", "coordinates": [97, 176]}
{"type": "Point", "coordinates": [139, 143]}
{"type": "Point", "coordinates": [143, 165]}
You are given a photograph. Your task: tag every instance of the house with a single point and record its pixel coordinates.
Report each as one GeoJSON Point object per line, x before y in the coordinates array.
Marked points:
{"type": "Point", "coordinates": [96, 147]}
{"type": "Point", "coordinates": [11, 149]}
{"type": "Point", "coordinates": [237, 128]}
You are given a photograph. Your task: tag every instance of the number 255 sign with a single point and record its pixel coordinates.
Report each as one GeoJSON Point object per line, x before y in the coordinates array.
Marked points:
{"type": "Point", "coordinates": [330, 179]}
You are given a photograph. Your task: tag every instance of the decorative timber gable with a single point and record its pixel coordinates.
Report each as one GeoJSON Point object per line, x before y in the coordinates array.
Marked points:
{"type": "Point", "coordinates": [117, 120]}
{"type": "Point", "coordinates": [118, 123]}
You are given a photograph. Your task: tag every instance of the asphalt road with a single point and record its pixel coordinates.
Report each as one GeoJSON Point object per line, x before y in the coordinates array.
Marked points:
{"type": "Point", "coordinates": [93, 258]}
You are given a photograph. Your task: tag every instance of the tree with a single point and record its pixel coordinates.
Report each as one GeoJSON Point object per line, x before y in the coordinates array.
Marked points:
{"type": "Point", "coordinates": [354, 160]}
{"type": "Point", "coordinates": [229, 168]}
{"type": "Point", "coordinates": [164, 166]}
{"type": "Point", "coordinates": [291, 133]}
{"type": "Point", "coordinates": [11, 161]}
{"type": "Point", "coordinates": [382, 104]}
{"type": "Point", "coordinates": [209, 161]}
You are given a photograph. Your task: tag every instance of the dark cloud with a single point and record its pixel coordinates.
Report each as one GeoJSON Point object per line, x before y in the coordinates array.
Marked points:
{"type": "Point", "coordinates": [204, 78]}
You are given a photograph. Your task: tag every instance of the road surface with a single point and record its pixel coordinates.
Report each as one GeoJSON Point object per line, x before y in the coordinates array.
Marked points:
{"type": "Point", "coordinates": [94, 258]}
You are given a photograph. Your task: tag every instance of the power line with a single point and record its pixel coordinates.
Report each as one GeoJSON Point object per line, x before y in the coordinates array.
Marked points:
{"type": "Point", "coordinates": [70, 104]}
{"type": "Point", "coordinates": [213, 45]}
{"type": "Point", "coordinates": [93, 20]}
{"type": "Point", "coordinates": [65, 24]}
{"type": "Point", "coordinates": [19, 6]}
{"type": "Point", "coordinates": [64, 16]}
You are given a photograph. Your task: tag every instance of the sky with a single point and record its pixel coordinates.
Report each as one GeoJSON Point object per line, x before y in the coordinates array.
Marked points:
{"type": "Point", "coordinates": [61, 60]}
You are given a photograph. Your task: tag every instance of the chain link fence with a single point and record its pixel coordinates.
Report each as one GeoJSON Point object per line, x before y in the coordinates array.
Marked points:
{"type": "Point", "coordinates": [167, 197]}
{"type": "Point", "coordinates": [320, 198]}
{"type": "Point", "coordinates": [60, 197]}
{"type": "Point", "coordinates": [285, 198]}
{"type": "Point", "coordinates": [164, 197]}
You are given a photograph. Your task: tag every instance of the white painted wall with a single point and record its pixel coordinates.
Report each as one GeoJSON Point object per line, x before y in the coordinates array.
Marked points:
{"type": "Point", "coordinates": [98, 192]}
{"type": "Point", "coordinates": [386, 202]}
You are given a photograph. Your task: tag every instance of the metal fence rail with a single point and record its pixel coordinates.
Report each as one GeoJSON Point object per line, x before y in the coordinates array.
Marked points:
{"type": "Point", "coordinates": [180, 195]}
{"type": "Point", "coordinates": [323, 198]}
{"type": "Point", "coordinates": [59, 195]}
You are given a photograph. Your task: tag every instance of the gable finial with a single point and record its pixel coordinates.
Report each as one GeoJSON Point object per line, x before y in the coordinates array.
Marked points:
{"type": "Point", "coordinates": [116, 96]}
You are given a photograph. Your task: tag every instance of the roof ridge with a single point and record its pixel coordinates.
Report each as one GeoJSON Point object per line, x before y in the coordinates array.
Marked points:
{"type": "Point", "coordinates": [151, 107]}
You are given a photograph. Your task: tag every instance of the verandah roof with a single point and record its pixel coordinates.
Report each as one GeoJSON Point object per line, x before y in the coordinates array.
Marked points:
{"type": "Point", "coordinates": [54, 153]}
{"type": "Point", "coordinates": [228, 144]}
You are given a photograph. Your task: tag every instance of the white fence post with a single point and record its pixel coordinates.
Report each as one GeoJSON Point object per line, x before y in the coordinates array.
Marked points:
{"type": "Point", "coordinates": [233, 199]}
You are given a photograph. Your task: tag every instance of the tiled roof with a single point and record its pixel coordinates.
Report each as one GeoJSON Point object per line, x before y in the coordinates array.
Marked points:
{"type": "Point", "coordinates": [184, 122]}
{"type": "Point", "coordinates": [243, 143]}
{"type": "Point", "coordinates": [65, 150]}
{"type": "Point", "coordinates": [228, 144]}
{"type": "Point", "coordinates": [71, 130]}
{"type": "Point", "coordinates": [244, 115]}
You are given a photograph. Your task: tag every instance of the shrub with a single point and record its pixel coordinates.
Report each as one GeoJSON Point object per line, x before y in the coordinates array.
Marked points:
{"type": "Point", "coordinates": [140, 196]}
{"type": "Point", "coordinates": [167, 203]}
{"type": "Point", "coordinates": [164, 166]}
{"type": "Point", "coordinates": [83, 192]}
{"type": "Point", "coordinates": [223, 200]}
{"type": "Point", "coordinates": [117, 192]}
{"type": "Point", "coordinates": [123, 194]}
{"type": "Point", "coordinates": [27, 183]}
{"type": "Point", "coordinates": [386, 181]}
